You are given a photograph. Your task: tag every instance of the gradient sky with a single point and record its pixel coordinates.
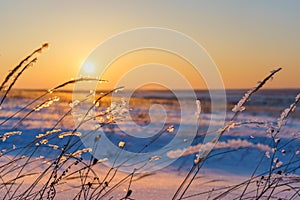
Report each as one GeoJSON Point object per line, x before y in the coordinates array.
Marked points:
{"type": "Point", "coordinates": [246, 39]}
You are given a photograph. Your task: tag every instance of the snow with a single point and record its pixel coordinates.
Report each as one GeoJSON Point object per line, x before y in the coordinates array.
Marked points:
{"type": "Point", "coordinates": [233, 160]}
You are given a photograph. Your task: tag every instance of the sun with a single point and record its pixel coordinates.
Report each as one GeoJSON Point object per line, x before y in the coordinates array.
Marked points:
{"type": "Point", "coordinates": [88, 67]}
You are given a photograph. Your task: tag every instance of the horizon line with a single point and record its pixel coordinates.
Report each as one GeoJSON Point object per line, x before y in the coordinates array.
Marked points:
{"type": "Point", "coordinates": [198, 89]}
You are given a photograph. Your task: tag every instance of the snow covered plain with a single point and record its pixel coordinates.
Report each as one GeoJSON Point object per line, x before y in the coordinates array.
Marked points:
{"type": "Point", "coordinates": [30, 147]}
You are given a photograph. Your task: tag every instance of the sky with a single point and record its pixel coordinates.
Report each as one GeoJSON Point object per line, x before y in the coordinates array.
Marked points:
{"type": "Point", "coordinates": [245, 39]}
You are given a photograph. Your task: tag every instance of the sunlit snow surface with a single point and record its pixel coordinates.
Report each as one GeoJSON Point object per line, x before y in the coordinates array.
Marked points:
{"type": "Point", "coordinates": [238, 151]}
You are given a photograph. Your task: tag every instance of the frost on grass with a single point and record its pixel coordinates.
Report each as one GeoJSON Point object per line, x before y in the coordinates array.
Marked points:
{"type": "Point", "coordinates": [268, 154]}
{"type": "Point", "coordinates": [44, 141]}
{"type": "Point", "coordinates": [53, 146]}
{"type": "Point", "coordinates": [154, 158]}
{"type": "Point", "coordinates": [170, 129]}
{"type": "Point", "coordinates": [79, 152]}
{"type": "Point", "coordinates": [48, 133]}
{"type": "Point", "coordinates": [69, 133]}
{"type": "Point", "coordinates": [47, 103]}
{"type": "Point", "coordinates": [281, 121]}
{"type": "Point", "coordinates": [121, 144]}
{"type": "Point", "coordinates": [9, 134]}
{"type": "Point", "coordinates": [239, 107]}
{"type": "Point", "coordinates": [198, 112]}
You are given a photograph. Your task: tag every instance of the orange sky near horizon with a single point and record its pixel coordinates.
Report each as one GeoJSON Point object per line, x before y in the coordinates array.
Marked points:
{"type": "Point", "coordinates": [246, 39]}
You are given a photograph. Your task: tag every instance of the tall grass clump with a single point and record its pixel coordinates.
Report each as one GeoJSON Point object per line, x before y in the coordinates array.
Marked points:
{"type": "Point", "coordinates": [42, 155]}
{"type": "Point", "coordinates": [279, 181]}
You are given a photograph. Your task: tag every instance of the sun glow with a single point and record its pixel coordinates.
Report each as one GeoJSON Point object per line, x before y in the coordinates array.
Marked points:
{"type": "Point", "coordinates": [88, 67]}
